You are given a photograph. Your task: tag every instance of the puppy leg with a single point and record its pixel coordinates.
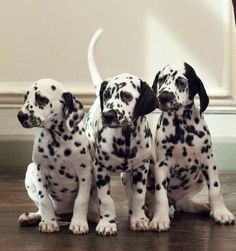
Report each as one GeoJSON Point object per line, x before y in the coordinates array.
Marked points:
{"type": "Point", "coordinates": [219, 211]}
{"type": "Point", "coordinates": [161, 220]}
{"type": "Point", "coordinates": [188, 205]}
{"type": "Point", "coordinates": [138, 219]}
{"type": "Point", "coordinates": [93, 211]}
{"type": "Point", "coordinates": [32, 218]}
{"type": "Point", "coordinates": [107, 222]}
{"type": "Point", "coordinates": [48, 222]}
{"type": "Point", "coordinates": [79, 224]}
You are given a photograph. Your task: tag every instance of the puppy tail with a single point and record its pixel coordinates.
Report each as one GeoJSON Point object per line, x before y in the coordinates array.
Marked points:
{"type": "Point", "coordinates": [96, 78]}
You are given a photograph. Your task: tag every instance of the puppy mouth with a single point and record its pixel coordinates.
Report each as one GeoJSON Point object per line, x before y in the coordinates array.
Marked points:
{"type": "Point", "coordinates": [169, 106]}
{"type": "Point", "coordinates": [34, 122]}
{"type": "Point", "coordinates": [117, 124]}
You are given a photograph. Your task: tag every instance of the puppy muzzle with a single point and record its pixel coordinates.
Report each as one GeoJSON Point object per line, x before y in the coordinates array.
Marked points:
{"type": "Point", "coordinates": [167, 101]}
{"type": "Point", "coordinates": [28, 121]}
{"type": "Point", "coordinates": [112, 119]}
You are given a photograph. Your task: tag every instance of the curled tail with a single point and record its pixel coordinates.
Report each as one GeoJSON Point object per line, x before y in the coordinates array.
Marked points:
{"type": "Point", "coordinates": [96, 78]}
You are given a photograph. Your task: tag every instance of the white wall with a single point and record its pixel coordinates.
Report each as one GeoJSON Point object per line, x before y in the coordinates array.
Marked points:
{"type": "Point", "coordinates": [50, 38]}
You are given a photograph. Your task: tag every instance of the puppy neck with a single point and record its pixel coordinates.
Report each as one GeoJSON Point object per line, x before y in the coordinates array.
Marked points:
{"type": "Point", "coordinates": [186, 112]}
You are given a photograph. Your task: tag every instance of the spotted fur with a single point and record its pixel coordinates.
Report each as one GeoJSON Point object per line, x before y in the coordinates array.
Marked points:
{"type": "Point", "coordinates": [59, 178]}
{"type": "Point", "coordinates": [119, 131]}
{"type": "Point", "coordinates": [184, 151]}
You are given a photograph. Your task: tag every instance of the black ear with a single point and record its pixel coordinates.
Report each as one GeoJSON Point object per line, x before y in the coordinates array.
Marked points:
{"type": "Point", "coordinates": [147, 101]}
{"type": "Point", "coordinates": [154, 85]}
{"type": "Point", "coordinates": [102, 89]}
{"type": "Point", "coordinates": [196, 87]}
{"type": "Point", "coordinates": [73, 110]}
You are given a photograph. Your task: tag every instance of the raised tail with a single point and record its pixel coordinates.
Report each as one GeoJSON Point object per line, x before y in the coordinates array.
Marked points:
{"type": "Point", "coordinates": [96, 78]}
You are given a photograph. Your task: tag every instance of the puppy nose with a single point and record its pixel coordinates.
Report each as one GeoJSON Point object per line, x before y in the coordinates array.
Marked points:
{"type": "Point", "coordinates": [22, 116]}
{"type": "Point", "coordinates": [165, 97]}
{"type": "Point", "coordinates": [109, 116]}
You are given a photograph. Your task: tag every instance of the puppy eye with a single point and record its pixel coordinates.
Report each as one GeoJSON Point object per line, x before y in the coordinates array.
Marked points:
{"type": "Point", "coordinates": [126, 96]}
{"type": "Point", "coordinates": [106, 95]}
{"type": "Point", "coordinates": [41, 100]}
{"type": "Point", "coordinates": [181, 83]}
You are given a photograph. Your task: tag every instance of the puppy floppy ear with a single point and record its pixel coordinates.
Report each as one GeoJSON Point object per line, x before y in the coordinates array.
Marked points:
{"type": "Point", "coordinates": [147, 101]}
{"type": "Point", "coordinates": [102, 89]}
{"type": "Point", "coordinates": [196, 86]}
{"type": "Point", "coordinates": [154, 85]}
{"type": "Point", "coordinates": [73, 110]}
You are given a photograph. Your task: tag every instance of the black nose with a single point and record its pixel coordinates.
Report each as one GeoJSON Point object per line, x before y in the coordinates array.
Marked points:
{"type": "Point", "coordinates": [22, 116]}
{"type": "Point", "coordinates": [109, 117]}
{"type": "Point", "coordinates": [165, 97]}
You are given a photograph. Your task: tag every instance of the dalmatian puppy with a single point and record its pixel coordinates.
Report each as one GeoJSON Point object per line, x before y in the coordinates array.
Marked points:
{"type": "Point", "coordinates": [119, 131]}
{"type": "Point", "coordinates": [59, 178]}
{"type": "Point", "coordinates": [184, 151]}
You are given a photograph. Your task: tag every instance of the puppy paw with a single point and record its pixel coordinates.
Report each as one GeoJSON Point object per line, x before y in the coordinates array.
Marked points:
{"type": "Point", "coordinates": [160, 224]}
{"type": "Point", "coordinates": [139, 224]}
{"type": "Point", "coordinates": [29, 219]}
{"type": "Point", "coordinates": [106, 228]}
{"type": "Point", "coordinates": [223, 216]}
{"type": "Point", "coordinates": [48, 226]}
{"type": "Point", "coordinates": [79, 227]}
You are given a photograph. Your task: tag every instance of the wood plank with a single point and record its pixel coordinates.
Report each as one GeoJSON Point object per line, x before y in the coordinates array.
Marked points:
{"type": "Point", "coordinates": [188, 232]}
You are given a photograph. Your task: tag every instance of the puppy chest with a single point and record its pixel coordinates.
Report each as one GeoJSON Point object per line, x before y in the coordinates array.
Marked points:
{"type": "Point", "coordinates": [120, 147]}
{"type": "Point", "coordinates": [61, 181]}
{"type": "Point", "coordinates": [183, 177]}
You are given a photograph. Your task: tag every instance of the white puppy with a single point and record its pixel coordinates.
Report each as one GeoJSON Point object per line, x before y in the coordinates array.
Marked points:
{"type": "Point", "coordinates": [59, 179]}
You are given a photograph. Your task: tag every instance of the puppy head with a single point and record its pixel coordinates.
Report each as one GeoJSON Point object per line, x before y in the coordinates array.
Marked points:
{"type": "Point", "coordinates": [46, 104]}
{"type": "Point", "coordinates": [176, 87]}
{"type": "Point", "coordinates": [125, 98]}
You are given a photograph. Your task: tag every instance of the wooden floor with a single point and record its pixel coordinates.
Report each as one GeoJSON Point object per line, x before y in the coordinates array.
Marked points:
{"type": "Point", "coordinates": [188, 232]}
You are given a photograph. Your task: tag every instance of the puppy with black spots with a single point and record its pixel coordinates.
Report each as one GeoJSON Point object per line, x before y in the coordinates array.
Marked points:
{"type": "Point", "coordinates": [118, 128]}
{"type": "Point", "coordinates": [184, 157]}
{"type": "Point", "coordinates": [59, 178]}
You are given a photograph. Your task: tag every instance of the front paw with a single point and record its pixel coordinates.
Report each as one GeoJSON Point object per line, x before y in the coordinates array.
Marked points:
{"type": "Point", "coordinates": [48, 226]}
{"type": "Point", "coordinates": [160, 223]}
{"type": "Point", "coordinates": [29, 219]}
{"type": "Point", "coordinates": [79, 227]}
{"type": "Point", "coordinates": [223, 216]}
{"type": "Point", "coordinates": [139, 223]}
{"type": "Point", "coordinates": [106, 228]}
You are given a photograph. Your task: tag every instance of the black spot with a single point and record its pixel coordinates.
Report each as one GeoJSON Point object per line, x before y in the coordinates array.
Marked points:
{"type": "Point", "coordinates": [69, 176]}
{"type": "Point", "coordinates": [196, 120]}
{"type": "Point", "coordinates": [189, 139]}
{"type": "Point", "coordinates": [165, 122]}
{"type": "Point", "coordinates": [77, 144]}
{"type": "Point", "coordinates": [158, 187]}
{"type": "Point", "coordinates": [51, 167]}
{"type": "Point", "coordinates": [164, 184]}
{"type": "Point", "coordinates": [67, 152]}
{"type": "Point", "coordinates": [83, 151]}
{"type": "Point", "coordinates": [184, 152]}
{"type": "Point", "coordinates": [216, 184]}
{"type": "Point", "coordinates": [101, 182]}
{"type": "Point", "coordinates": [53, 87]}
{"type": "Point", "coordinates": [137, 177]}
{"type": "Point", "coordinates": [62, 172]}
{"type": "Point", "coordinates": [40, 149]}
{"type": "Point", "coordinates": [51, 150]}
{"type": "Point", "coordinates": [139, 190]}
